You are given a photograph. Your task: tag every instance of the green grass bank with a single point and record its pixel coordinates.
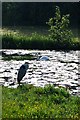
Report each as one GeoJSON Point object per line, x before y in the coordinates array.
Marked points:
{"type": "Point", "coordinates": [34, 38]}
{"type": "Point", "coordinates": [30, 102]}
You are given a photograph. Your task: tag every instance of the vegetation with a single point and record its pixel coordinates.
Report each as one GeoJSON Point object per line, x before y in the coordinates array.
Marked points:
{"type": "Point", "coordinates": [0, 101]}
{"type": "Point", "coordinates": [37, 13]}
{"type": "Point", "coordinates": [12, 40]}
{"type": "Point", "coordinates": [28, 101]}
{"type": "Point", "coordinates": [35, 41]}
{"type": "Point", "coordinates": [18, 57]}
{"type": "Point", "coordinates": [59, 31]}
{"type": "Point", "coordinates": [60, 36]}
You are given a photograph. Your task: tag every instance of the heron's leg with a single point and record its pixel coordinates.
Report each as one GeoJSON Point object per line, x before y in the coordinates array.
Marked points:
{"type": "Point", "coordinates": [19, 83]}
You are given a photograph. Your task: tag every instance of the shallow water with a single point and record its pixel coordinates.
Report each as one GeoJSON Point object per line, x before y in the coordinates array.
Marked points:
{"type": "Point", "coordinates": [60, 70]}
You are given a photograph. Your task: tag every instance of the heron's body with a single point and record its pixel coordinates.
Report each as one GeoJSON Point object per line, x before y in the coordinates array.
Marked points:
{"type": "Point", "coordinates": [22, 72]}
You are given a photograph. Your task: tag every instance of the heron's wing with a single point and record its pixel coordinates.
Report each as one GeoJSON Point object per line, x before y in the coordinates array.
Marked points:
{"type": "Point", "coordinates": [21, 73]}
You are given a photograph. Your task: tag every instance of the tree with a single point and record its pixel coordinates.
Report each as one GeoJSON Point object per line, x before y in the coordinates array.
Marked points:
{"type": "Point", "coordinates": [59, 31]}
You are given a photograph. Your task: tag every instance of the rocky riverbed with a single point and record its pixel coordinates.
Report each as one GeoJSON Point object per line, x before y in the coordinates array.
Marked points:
{"type": "Point", "coordinates": [62, 69]}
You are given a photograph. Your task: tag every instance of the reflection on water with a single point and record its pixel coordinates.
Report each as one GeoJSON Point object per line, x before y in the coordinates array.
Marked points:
{"type": "Point", "coordinates": [60, 70]}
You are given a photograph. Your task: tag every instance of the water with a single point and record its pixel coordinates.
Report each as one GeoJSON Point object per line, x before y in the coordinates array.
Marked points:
{"type": "Point", "coordinates": [60, 70]}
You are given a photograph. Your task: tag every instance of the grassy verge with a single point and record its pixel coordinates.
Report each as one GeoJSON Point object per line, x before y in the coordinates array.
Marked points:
{"type": "Point", "coordinates": [0, 101]}
{"type": "Point", "coordinates": [18, 57]}
{"type": "Point", "coordinates": [35, 40]}
{"type": "Point", "coordinates": [30, 102]}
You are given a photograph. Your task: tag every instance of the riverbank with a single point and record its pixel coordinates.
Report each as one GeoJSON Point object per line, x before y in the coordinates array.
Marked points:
{"type": "Point", "coordinates": [32, 102]}
{"type": "Point", "coordinates": [35, 38]}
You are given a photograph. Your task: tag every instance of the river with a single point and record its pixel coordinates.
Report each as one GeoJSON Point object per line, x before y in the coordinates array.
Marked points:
{"type": "Point", "coordinates": [62, 69]}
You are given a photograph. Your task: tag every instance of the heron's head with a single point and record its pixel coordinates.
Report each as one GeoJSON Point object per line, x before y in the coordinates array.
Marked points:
{"type": "Point", "coordinates": [26, 62]}
{"type": "Point", "coordinates": [26, 65]}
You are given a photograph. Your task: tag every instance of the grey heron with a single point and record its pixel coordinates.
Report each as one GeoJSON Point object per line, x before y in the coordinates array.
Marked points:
{"type": "Point", "coordinates": [41, 58]}
{"type": "Point", "coordinates": [44, 58]}
{"type": "Point", "coordinates": [22, 72]}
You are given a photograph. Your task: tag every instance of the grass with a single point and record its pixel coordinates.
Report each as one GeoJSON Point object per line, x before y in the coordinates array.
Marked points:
{"type": "Point", "coordinates": [18, 57]}
{"type": "Point", "coordinates": [0, 101]}
{"type": "Point", "coordinates": [28, 101]}
{"type": "Point", "coordinates": [35, 38]}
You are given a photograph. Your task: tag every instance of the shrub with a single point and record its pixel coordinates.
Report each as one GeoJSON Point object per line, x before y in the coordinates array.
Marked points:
{"type": "Point", "coordinates": [59, 31]}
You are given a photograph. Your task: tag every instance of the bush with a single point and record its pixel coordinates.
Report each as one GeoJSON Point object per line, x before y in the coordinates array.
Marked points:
{"type": "Point", "coordinates": [59, 31]}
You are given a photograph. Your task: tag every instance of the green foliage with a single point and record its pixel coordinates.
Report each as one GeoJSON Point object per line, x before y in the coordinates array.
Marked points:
{"type": "Point", "coordinates": [36, 13]}
{"type": "Point", "coordinates": [30, 102]}
{"type": "Point", "coordinates": [34, 40]}
{"type": "Point", "coordinates": [59, 31]}
{"type": "Point", "coordinates": [27, 57]}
